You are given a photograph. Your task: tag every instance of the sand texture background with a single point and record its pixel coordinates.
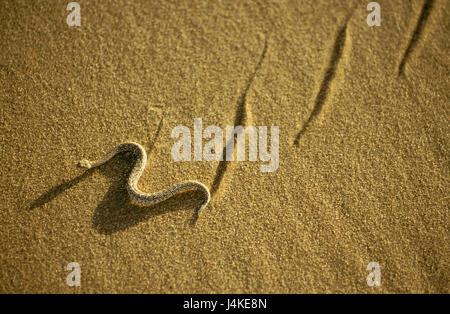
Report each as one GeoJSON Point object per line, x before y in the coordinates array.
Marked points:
{"type": "Point", "coordinates": [364, 152]}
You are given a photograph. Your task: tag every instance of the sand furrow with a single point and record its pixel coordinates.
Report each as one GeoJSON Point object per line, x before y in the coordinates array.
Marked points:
{"type": "Point", "coordinates": [330, 72]}
{"type": "Point", "coordinates": [426, 9]}
{"type": "Point", "coordinates": [242, 117]}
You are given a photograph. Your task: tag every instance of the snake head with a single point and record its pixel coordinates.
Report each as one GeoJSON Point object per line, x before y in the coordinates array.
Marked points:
{"type": "Point", "coordinates": [84, 164]}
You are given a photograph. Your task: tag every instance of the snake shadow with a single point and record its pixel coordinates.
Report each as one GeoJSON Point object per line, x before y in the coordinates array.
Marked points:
{"type": "Point", "coordinates": [117, 212]}
{"type": "Point", "coordinates": [60, 188]}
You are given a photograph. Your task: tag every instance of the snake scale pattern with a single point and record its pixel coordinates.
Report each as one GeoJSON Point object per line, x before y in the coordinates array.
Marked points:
{"type": "Point", "coordinates": [132, 184]}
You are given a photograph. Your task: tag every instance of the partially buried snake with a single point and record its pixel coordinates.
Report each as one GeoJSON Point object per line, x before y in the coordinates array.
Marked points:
{"type": "Point", "coordinates": [132, 185]}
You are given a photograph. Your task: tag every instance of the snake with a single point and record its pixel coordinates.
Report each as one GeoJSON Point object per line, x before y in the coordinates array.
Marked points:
{"type": "Point", "coordinates": [135, 174]}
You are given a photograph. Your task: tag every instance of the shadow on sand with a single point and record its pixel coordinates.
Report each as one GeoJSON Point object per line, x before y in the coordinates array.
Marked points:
{"type": "Point", "coordinates": [117, 212]}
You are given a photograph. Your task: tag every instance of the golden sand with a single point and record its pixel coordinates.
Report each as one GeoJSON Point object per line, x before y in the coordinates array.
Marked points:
{"type": "Point", "coordinates": [364, 152]}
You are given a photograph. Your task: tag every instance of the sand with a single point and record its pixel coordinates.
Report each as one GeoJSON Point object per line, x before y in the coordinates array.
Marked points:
{"type": "Point", "coordinates": [364, 153]}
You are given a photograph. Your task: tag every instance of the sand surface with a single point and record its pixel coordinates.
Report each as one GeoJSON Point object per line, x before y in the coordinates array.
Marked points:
{"type": "Point", "coordinates": [364, 152]}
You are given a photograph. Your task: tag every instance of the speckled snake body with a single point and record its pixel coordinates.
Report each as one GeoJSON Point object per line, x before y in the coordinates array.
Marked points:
{"type": "Point", "coordinates": [132, 185]}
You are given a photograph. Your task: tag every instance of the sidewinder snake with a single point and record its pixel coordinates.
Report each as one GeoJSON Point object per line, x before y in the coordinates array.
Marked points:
{"type": "Point", "coordinates": [132, 184]}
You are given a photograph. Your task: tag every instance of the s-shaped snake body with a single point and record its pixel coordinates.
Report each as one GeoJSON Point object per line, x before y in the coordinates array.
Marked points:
{"type": "Point", "coordinates": [132, 184]}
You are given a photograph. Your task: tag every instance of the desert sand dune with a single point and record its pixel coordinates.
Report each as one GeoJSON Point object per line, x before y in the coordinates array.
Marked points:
{"type": "Point", "coordinates": [363, 171]}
